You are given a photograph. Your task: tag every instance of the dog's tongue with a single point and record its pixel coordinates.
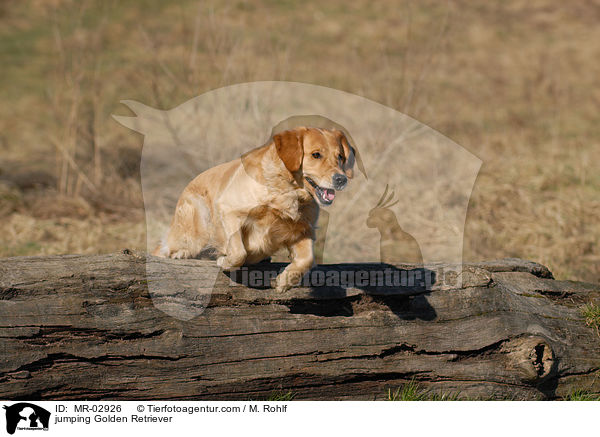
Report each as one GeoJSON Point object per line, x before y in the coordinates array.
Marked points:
{"type": "Point", "coordinates": [329, 194]}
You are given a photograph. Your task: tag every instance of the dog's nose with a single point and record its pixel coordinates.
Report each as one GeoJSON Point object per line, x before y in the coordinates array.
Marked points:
{"type": "Point", "coordinates": [339, 181]}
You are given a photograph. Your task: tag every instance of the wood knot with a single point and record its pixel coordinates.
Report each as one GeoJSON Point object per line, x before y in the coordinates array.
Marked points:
{"type": "Point", "coordinates": [533, 357]}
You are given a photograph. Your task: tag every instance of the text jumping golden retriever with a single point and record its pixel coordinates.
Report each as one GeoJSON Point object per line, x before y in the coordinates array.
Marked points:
{"type": "Point", "coordinates": [247, 209]}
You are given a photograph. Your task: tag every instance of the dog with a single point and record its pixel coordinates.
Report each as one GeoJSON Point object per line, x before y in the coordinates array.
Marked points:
{"type": "Point", "coordinates": [247, 209]}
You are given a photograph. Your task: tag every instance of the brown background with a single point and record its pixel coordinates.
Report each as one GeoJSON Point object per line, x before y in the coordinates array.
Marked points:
{"type": "Point", "coordinates": [516, 83]}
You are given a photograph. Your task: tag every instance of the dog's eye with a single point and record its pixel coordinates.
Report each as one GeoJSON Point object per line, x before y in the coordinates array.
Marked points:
{"type": "Point", "coordinates": [316, 155]}
{"type": "Point", "coordinates": [341, 157]}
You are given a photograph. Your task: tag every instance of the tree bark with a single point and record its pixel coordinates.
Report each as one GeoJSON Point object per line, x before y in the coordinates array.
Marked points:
{"type": "Point", "coordinates": [87, 327]}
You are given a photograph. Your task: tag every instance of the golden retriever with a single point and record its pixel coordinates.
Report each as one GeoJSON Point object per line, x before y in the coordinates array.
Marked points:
{"type": "Point", "coordinates": [247, 209]}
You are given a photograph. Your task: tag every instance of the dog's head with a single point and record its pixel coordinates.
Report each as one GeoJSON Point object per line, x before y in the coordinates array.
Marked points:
{"type": "Point", "coordinates": [322, 158]}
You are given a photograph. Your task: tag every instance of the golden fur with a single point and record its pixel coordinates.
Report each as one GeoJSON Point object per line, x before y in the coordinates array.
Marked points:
{"type": "Point", "coordinates": [249, 208]}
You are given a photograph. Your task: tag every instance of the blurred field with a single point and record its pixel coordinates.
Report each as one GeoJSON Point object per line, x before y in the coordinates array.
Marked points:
{"type": "Point", "coordinates": [517, 83]}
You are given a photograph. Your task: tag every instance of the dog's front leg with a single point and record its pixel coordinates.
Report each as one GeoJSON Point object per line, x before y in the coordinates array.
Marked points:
{"type": "Point", "coordinates": [302, 261]}
{"type": "Point", "coordinates": [235, 252]}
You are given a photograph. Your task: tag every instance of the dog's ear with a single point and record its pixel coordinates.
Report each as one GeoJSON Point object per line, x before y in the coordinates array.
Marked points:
{"type": "Point", "coordinates": [349, 157]}
{"type": "Point", "coordinates": [289, 148]}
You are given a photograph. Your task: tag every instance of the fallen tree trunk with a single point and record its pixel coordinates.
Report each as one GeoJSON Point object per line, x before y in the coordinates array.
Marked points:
{"type": "Point", "coordinates": [86, 327]}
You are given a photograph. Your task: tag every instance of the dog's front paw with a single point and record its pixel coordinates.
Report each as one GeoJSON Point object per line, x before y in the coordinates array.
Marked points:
{"type": "Point", "coordinates": [224, 263]}
{"type": "Point", "coordinates": [286, 280]}
{"type": "Point", "coordinates": [282, 288]}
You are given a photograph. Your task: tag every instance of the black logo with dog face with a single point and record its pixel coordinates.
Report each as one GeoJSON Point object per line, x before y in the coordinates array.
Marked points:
{"type": "Point", "coordinates": [26, 416]}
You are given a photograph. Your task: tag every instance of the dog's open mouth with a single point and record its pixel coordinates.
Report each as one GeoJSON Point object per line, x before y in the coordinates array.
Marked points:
{"type": "Point", "coordinates": [324, 195]}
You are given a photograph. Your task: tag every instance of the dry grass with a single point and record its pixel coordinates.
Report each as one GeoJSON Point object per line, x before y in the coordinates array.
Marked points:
{"type": "Point", "coordinates": [516, 83]}
{"type": "Point", "coordinates": [591, 314]}
{"type": "Point", "coordinates": [413, 391]}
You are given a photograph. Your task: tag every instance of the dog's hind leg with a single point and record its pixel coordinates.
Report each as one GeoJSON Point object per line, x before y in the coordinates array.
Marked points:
{"type": "Point", "coordinates": [188, 234]}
